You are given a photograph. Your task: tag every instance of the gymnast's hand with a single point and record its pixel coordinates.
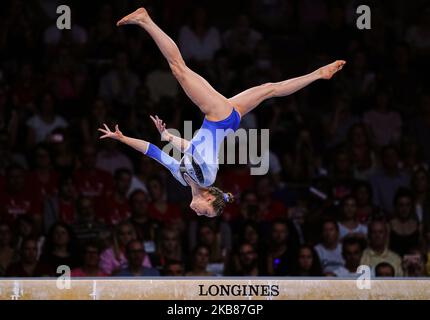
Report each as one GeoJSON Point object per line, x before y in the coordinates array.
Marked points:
{"type": "Point", "coordinates": [116, 135]}
{"type": "Point", "coordinates": [161, 127]}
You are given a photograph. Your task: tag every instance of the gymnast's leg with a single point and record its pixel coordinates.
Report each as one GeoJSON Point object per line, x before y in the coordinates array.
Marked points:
{"type": "Point", "coordinates": [214, 105]}
{"type": "Point", "coordinates": [247, 100]}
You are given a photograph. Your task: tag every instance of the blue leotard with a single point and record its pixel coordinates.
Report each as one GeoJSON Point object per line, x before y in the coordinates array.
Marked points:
{"type": "Point", "coordinates": [200, 160]}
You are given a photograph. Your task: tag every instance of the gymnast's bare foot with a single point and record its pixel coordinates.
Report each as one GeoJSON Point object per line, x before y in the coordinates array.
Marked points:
{"type": "Point", "coordinates": [137, 17]}
{"type": "Point", "coordinates": [328, 71]}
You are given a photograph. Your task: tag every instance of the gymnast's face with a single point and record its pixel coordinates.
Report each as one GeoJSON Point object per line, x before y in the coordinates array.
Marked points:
{"type": "Point", "coordinates": [203, 206]}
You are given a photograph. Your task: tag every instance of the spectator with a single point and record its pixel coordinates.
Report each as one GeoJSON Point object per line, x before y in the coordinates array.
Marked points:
{"type": "Point", "coordinates": [90, 266]}
{"type": "Point", "coordinates": [90, 181]}
{"type": "Point", "coordinates": [114, 258]}
{"type": "Point", "coordinates": [330, 250]}
{"type": "Point", "coordinates": [135, 252]}
{"type": "Point", "coordinates": [17, 200]}
{"type": "Point", "coordinates": [146, 228]}
{"type": "Point", "coordinates": [279, 255]}
{"type": "Point", "coordinates": [307, 263]}
{"type": "Point", "coordinates": [44, 122]}
{"type": "Point", "coordinates": [363, 194]}
{"type": "Point", "coordinates": [420, 185]}
{"type": "Point", "coordinates": [245, 262]}
{"type": "Point", "coordinates": [160, 209]}
{"type": "Point", "coordinates": [349, 223]}
{"type": "Point", "coordinates": [110, 158]}
{"type": "Point", "coordinates": [386, 182]}
{"type": "Point", "coordinates": [414, 263]}
{"type": "Point", "coordinates": [170, 248]}
{"type": "Point", "coordinates": [199, 41]}
{"type": "Point", "coordinates": [87, 227]}
{"type": "Point", "coordinates": [61, 207]}
{"type": "Point", "coordinates": [115, 207]}
{"type": "Point", "coordinates": [120, 83]}
{"type": "Point", "coordinates": [59, 248]}
{"type": "Point", "coordinates": [378, 251]}
{"type": "Point", "coordinates": [8, 254]}
{"type": "Point", "coordinates": [29, 264]}
{"type": "Point", "coordinates": [352, 251]}
{"type": "Point", "coordinates": [385, 125]}
{"type": "Point", "coordinates": [404, 227]}
{"type": "Point", "coordinates": [174, 269]}
{"type": "Point", "coordinates": [199, 262]}
{"type": "Point", "coordinates": [384, 269]}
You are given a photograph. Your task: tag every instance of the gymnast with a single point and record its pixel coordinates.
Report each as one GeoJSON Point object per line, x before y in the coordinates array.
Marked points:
{"type": "Point", "coordinates": [199, 165]}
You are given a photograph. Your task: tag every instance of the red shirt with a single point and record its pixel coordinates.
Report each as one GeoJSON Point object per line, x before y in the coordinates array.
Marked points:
{"type": "Point", "coordinates": [172, 213]}
{"type": "Point", "coordinates": [66, 211]}
{"type": "Point", "coordinates": [18, 204]}
{"type": "Point", "coordinates": [93, 183]}
{"type": "Point", "coordinates": [237, 181]}
{"type": "Point", "coordinates": [111, 210]}
{"type": "Point", "coordinates": [275, 210]}
{"type": "Point", "coordinates": [47, 188]}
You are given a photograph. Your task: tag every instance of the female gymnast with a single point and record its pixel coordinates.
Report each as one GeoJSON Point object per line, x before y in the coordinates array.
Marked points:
{"type": "Point", "coordinates": [199, 165]}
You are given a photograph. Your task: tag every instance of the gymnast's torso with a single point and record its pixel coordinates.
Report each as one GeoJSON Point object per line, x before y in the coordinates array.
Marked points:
{"type": "Point", "coordinates": [200, 160]}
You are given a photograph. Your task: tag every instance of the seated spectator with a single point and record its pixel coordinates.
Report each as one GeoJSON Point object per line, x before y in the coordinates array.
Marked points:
{"type": "Point", "coordinates": [110, 158]}
{"type": "Point", "coordinates": [199, 262]}
{"type": "Point", "coordinates": [307, 263]}
{"type": "Point", "coordinates": [17, 200]}
{"type": "Point", "coordinates": [114, 258]}
{"type": "Point", "coordinates": [96, 116]}
{"type": "Point", "coordinates": [420, 185]}
{"type": "Point", "coordinates": [270, 209]}
{"type": "Point", "coordinates": [119, 84]}
{"type": "Point", "coordinates": [385, 124]}
{"type": "Point", "coordinates": [414, 263]}
{"type": "Point", "coordinates": [170, 247]}
{"type": "Point", "coordinates": [87, 227]}
{"type": "Point", "coordinates": [386, 181]}
{"type": "Point", "coordinates": [61, 207]}
{"type": "Point", "coordinates": [173, 268]}
{"type": "Point", "coordinates": [330, 249]}
{"type": "Point", "coordinates": [199, 41]}
{"type": "Point", "coordinates": [60, 247]}
{"type": "Point", "coordinates": [90, 265]}
{"type": "Point", "coordinates": [160, 209]}
{"type": "Point", "coordinates": [8, 254]}
{"type": "Point", "coordinates": [352, 251]}
{"type": "Point", "coordinates": [208, 236]}
{"type": "Point", "coordinates": [29, 264]}
{"type": "Point", "coordinates": [43, 178]}
{"type": "Point", "coordinates": [241, 39]}
{"type": "Point", "coordinates": [404, 227]}
{"type": "Point", "coordinates": [27, 226]}
{"type": "Point", "coordinates": [89, 180]}
{"type": "Point", "coordinates": [384, 269]}
{"type": "Point", "coordinates": [115, 207]}
{"type": "Point", "coordinates": [349, 223]}
{"type": "Point", "coordinates": [360, 148]}
{"type": "Point", "coordinates": [44, 122]}
{"type": "Point", "coordinates": [245, 262]}
{"type": "Point", "coordinates": [342, 174]}
{"type": "Point", "coordinates": [279, 254]}
{"type": "Point", "coordinates": [378, 251]}
{"type": "Point", "coordinates": [135, 253]}
{"type": "Point", "coordinates": [146, 228]}
{"type": "Point", "coordinates": [364, 197]}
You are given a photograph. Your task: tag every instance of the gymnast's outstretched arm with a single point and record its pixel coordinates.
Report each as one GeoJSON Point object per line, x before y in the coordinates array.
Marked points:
{"type": "Point", "coordinates": [143, 146]}
{"type": "Point", "coordinates": [177, 142]}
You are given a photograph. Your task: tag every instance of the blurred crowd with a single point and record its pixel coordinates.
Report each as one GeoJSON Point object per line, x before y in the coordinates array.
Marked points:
{"type": "Point", "coordinates": [348, 183]}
